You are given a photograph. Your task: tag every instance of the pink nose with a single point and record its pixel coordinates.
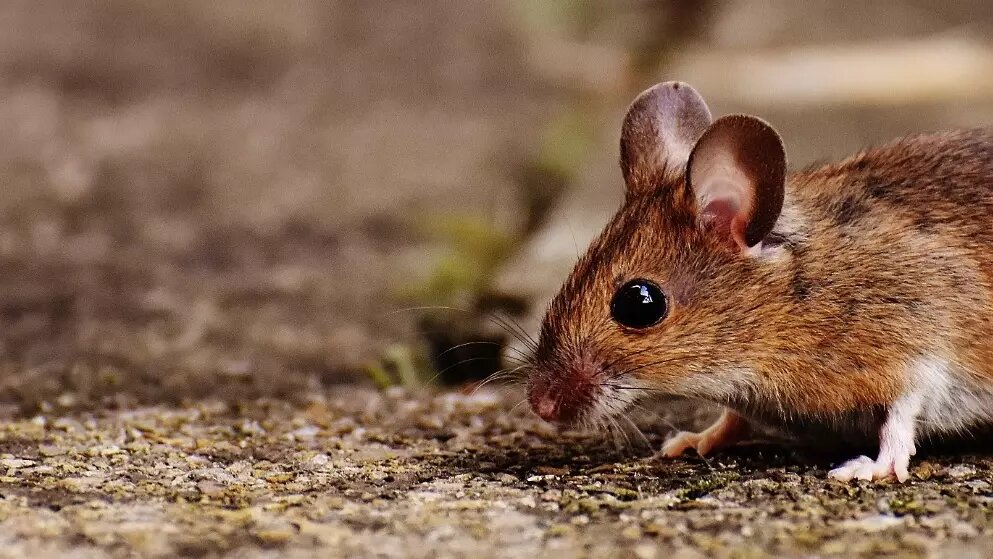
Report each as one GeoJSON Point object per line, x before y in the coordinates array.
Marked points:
{"type": "Point", "coordinates": [545, 406]}
{"type": "Point", "coordinates": [564, 392]}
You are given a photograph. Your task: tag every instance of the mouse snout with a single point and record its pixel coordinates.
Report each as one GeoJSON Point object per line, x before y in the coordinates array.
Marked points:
{"type": "Point", "coordinates": [545, 404]}
{"type": "Point", "coordinates": [564, 397]}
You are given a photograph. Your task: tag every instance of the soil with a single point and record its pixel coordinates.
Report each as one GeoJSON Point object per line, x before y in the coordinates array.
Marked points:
{"type": "Point", "coordinates": [214, 216]}
{"type": "Point", "coordinates": [362, 473]}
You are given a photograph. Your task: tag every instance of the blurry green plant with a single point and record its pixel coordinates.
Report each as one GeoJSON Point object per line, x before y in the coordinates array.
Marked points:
{"type": "Point", "coordinates": [546, 175]}
{"type": "Point", "coordinates": [475, 248]}
{"type": "Point", "coordinates": [401, 365]}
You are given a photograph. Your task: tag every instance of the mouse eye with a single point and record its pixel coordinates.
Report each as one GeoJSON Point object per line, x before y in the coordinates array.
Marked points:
{"type": "Point", "coordinates": [639, 303]}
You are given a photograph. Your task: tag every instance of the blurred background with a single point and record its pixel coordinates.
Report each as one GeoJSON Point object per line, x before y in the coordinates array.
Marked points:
{"type": "Point", "coordinates": [239, 198]}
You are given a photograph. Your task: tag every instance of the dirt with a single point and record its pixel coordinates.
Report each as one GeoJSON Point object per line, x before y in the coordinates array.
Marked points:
{"type": "Point", "coordinates": [217, 217]}
{"type": "Point", "coordinates": [360, 473]}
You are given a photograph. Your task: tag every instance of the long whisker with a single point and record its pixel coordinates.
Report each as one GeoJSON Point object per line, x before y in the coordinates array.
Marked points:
{"type": "Point", "coordinates": [517, 405]}
{"type": "Point", "coordinates": [514, 329]}
{"type": "Point", "coordinates": [453, 365]}
{"type": "Point", "coordinates": [498, 376]}
{"type": "Point", "coordinates": [467, 344]}
{"type": "Point", "coordinates": [623, 432]}
{"type": "Point", "coordinates": [642, 388]}
{"type": "Point", "coordinates": [492, 317]}
{"type": "Point", "coordinates": [522, 330]}
{"type": "Point", "coordinates": [655, 416]}
{"type": "Point", "coordinates": [613, 433]}
{"type": "Point", "coordinates": [637, 430]}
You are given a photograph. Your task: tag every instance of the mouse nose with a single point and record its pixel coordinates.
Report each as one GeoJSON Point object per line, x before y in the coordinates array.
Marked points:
{"type": "Point", "coordinates": [546, 406]}
{"type": "Point", "coordinates": [559, 401]}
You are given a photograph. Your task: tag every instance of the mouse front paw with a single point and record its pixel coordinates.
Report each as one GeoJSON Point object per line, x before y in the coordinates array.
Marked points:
{"type": "Point", "coordinates": [679, 443]}
{"type": "Point", "coordinates": [727, 430]}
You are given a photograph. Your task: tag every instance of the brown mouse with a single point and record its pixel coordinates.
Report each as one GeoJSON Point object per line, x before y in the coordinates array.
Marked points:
{"type": "Point", "coordinates": [854, 298]}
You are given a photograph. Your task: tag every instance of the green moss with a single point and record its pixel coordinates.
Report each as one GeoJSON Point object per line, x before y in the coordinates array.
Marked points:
{"type": "Point", "coordinates": [903, 507]}
{"type": "Point", "coordinates": [704, 486]}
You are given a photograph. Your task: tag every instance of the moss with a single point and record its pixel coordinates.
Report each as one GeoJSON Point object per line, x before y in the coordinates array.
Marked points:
{"type": "Point", "coordinates": [905, 506]}
{"type": "Point", "coordinates": [704, 486]}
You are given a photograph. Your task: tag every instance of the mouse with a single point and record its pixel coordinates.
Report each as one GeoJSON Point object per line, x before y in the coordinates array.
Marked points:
{"type": "Point", "coordinates": [850, 300]}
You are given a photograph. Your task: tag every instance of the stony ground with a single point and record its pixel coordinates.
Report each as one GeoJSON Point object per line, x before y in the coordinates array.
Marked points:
{"type": "Point", "coordinates": [210, 213]}
{"type": "Point", "coordinates": [358, 473]}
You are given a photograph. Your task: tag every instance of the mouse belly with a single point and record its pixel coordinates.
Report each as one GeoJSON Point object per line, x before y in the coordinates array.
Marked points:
{"type": "Point", "coordinates": [844, 428]}
{"type": "Point", "coordinates": [951, 402]}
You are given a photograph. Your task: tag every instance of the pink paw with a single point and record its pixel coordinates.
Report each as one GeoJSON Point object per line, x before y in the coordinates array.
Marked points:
{"type": "Point", "coordinates": [680, 443]}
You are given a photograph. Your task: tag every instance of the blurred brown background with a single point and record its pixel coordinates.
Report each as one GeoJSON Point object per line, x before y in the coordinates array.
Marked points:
{"type": "Point", "coordinates": [238, 197]}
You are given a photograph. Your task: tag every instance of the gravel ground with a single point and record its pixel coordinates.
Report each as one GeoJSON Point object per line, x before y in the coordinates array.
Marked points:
{"type": "Point", "coordinates": [208, 203]}
{"type": "Point", "coordinates": [359, 473]}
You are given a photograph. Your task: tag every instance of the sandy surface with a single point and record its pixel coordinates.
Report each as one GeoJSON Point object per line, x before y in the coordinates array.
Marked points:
{"type": "Point", "coordinates": [361, 473]}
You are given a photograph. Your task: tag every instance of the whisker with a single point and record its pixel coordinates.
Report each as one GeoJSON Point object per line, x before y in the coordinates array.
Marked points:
{"type": "Point", "coordinates": [615, 361]}
{"type": "Point", "coordinates": [614, 437]}
{"type": "Point", "coordinates": [627, 440]}
{"type": "Point", "coordinates": [623, 432]}
{"type": "Point", "coordinates": [492, 317]}
{"type": "Point", "coordinates": [453, 365]}
{"type": "Point", "coordinates": [655, 416]}
{"type": "Point", "coordinates": [515, 330]}
{"type": "Point", "coordinates": [499, 375]}
{"type": "Point", "coordinates": [517, 405]}
{"type": "Point", "coordinates": [466, 344]}
{"type": "Point", "coordinates": [637, 430]}
{"type": "Point", "coordinates": [642, 388]}
{"type": "Point", "coordinates": [534, 342]}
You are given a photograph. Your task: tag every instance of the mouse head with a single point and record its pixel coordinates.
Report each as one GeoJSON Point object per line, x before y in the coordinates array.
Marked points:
{"type": "Point", "coordinates": [668, 297]}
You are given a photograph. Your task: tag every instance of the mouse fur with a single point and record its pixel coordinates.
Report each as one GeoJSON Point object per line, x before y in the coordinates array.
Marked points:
{"type": "Point", "coordinates": [858, 302]}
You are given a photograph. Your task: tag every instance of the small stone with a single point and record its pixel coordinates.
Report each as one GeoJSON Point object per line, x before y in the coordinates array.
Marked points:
{"type": "Point", "coordinates": [961, 471]}
{"type": "Point", "coordinates": [275, 536]}
{"type": "Point", "coordinates": [506, 478]}
{"type": "Point", "coordinates": [50, 450]}
{"type": "Point", "coordinates": [560, 531]}
{"type": "Point", "coordinates": [875, 523]}
{"type": "Point", "coordinates": [320, 460]}
{"type": "Point", "coordinates": [15, 463]}
{"type": "Point", "coordinates": [631, 533]}
{"type": "Point", "coordinates": [963, 530]}
{"type": "Point", "coordinates": [645, 551]}
{"type": "Point", "coordinates": [528, 501]}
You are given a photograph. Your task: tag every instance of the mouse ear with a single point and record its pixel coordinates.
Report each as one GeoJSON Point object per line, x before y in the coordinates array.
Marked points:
{"type": "Point", "coordinates": [737, 173]}
{"type": "Point", "coordinates": [660, 129]}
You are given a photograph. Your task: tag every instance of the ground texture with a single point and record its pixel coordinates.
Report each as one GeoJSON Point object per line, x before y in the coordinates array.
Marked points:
{"type": "Point", "coordinates": [211, 212]}
{"type": "Point", "coordinates": [362, 473]}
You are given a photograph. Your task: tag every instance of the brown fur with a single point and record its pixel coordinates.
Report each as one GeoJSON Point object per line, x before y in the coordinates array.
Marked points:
{"type": "Point", "coordinates": [882, 258]}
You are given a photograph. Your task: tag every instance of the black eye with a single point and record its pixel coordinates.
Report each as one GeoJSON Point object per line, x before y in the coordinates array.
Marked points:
{"type": "Point", "coordinates": [639, 303]}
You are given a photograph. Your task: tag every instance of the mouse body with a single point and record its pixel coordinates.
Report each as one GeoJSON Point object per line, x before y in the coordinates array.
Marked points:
{"type": "Point", "coordinates": [854, 298]}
